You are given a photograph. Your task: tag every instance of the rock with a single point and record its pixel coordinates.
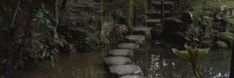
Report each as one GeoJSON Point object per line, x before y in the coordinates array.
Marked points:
{"type": "Point", "coordinates": [125, 69]}
{"type": "Point", "coordinates": [123, 28]}
{"type": "Point", "coordinates": [221, 44]}
{"type": "Point", "coordinates": [153, 20]}
{"type": "Point", "coordinates": [121, 52]}
{"type": "Point", "coordinates": [117, 60]}
{"type": "Point", "coordinates": [128, 46]}
{"type": "Point", "coordinates": [146, 31]}
{"type": "Point", "coordinates": [140, 39]}
{"type": "Point", "coordinates": [132, 76]}
{"type": "Point", "coordinates": [187, 17]}
{"type": "Point", "coordinates": [141, 28]}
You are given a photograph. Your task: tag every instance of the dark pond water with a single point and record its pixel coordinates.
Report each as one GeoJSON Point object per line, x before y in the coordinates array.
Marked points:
{"type": "Point", "coordinates": [77, 65]}
{"type": "Point", "coordinates": [156, 62]}
{"type": "Point", "coordinates": [160, 62]}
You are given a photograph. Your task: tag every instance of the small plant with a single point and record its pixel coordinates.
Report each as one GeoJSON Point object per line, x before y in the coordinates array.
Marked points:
{"type": "Point", "coordinates": [192, 54]}
{"type": "Point", "coordinates": [96, 39]}
{"type": "Point", "coordinates": [197, 47]}
{"type": "Point", "coordinates": [199, 37]}
{"type": "Point", "coordinates": [45, 39]}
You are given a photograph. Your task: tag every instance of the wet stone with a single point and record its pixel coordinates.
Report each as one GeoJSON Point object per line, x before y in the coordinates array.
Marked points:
{"type": "Point", "coordinates": [121, 52]}
{"type": "Point", "coordinates": [145, 30]}
{"type": "Point", "coordinates": [132, 76]}
{"type": "Point", "coordinates": [141, 28]}
{"type": "Point", "coordinates": [125, 69]}
{"type": "Point", "coordinates": [136, 38]}
{"type": "Point", "coordinates": [117, 60]}
{"type": "Point", "coordinates": [128, 45]}
{"type": "Point", "coordinates": [153, 20]}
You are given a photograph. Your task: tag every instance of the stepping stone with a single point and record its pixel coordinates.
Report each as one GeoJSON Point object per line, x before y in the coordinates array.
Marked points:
{"type": "Point", "coordinates": [141, 28]}
{"type": "Point", "coordinates": [140, 39]}
{"type": "Point", "coordinates": [128, 45]}
{"type": "Point", "coordinates": [125, 69]}
{"type": "Point", "coordinates": [153, 20]}
{"type": "Point", "coordinates": [121, 52]}
{"type": "Point", "coordinates": [132, 76]}
{"type": "Point", "coordinates": [165, 2]}
{"type": "Point", "coordinates": [158, 12]}
{"type": "Point", "coordinates": [117, 60]}
{"type": "Point", "coordinates": [145, 30]}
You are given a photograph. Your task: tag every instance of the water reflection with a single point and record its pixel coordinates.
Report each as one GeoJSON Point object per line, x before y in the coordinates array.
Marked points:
{"type": "Point", "coordinates": [80, 65]}
{"type": "Point", "coordinates": [163, 64]}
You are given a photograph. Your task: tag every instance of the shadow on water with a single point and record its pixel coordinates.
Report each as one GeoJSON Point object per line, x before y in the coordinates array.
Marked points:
{"type": "Point", "coordinates": [160, 62]}
{"type": "Point", "coordinates": [77, 65]}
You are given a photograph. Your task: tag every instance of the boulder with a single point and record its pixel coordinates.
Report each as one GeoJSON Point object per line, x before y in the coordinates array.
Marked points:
{"type": "Point", "coordinates": [128, 45]}
{"type": "Point", "coordinates": [221, 44]}
{"type": "Point", "coordinates": [140, 39]}
{"type": "Point", "coordinates": [125, 69]}
{"type": "Point", "coordinates": [117, 60]}
{"type": "Point", "coordinates": [143, 31]}
{"type": "Point", "coordinates": [121, 52]}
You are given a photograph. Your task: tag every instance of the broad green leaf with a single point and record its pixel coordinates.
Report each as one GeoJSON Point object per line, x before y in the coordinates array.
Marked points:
{"type": "Point", "coordinates": [183, 54]}
{"type": "Point", "coordinates": [187, 47]}
{"type": "Point", "coordinates": [202, 52]}
{"type": "Point", "coordinates": [198, 53]}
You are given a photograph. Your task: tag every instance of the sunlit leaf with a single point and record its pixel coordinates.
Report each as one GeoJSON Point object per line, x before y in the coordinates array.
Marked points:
{"type": "Point", "coordinates": [202, 52]}
{"type": "Point", "coordinates": [183, 54]}
{"type": "Point", "coordinates": [187, 47]}
{"type": "Point", "coordinates": [190, 52]}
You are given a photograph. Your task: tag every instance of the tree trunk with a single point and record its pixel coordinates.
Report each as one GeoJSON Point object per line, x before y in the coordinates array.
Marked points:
{"type": "Point", "coordinates": [130, 13]}
{"type": "Point", "coordinates": [102, 17]}
{"type": "Point", "coordinates": [64, 3]}
{"type": "Point", "coordinates": [232, 63]}
{"type": "Point", "coordinates": [145, 11]}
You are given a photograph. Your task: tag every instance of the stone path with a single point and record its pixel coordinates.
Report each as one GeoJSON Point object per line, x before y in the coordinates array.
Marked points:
{"type": "Point", "coordinates": [119, 59]}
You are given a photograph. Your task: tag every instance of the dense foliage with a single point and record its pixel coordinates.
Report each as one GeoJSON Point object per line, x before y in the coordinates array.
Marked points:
{"type": "Point", "coordinates": [33, 32]}
{"type": "Point", "coordinates": [36, 31]}
{"type": "Point", "coordinates": [208, 27]}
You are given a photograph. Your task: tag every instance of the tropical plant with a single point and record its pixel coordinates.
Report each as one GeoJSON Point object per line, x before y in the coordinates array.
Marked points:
{"type": "Point", "coordinates": [199, 36]}
{"type": "Point", "coordinates": [45, 39]}
{"type": "Point", "coordinates": [94, 40]}
{"type": "Point", "coordinates": [192, 54]}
